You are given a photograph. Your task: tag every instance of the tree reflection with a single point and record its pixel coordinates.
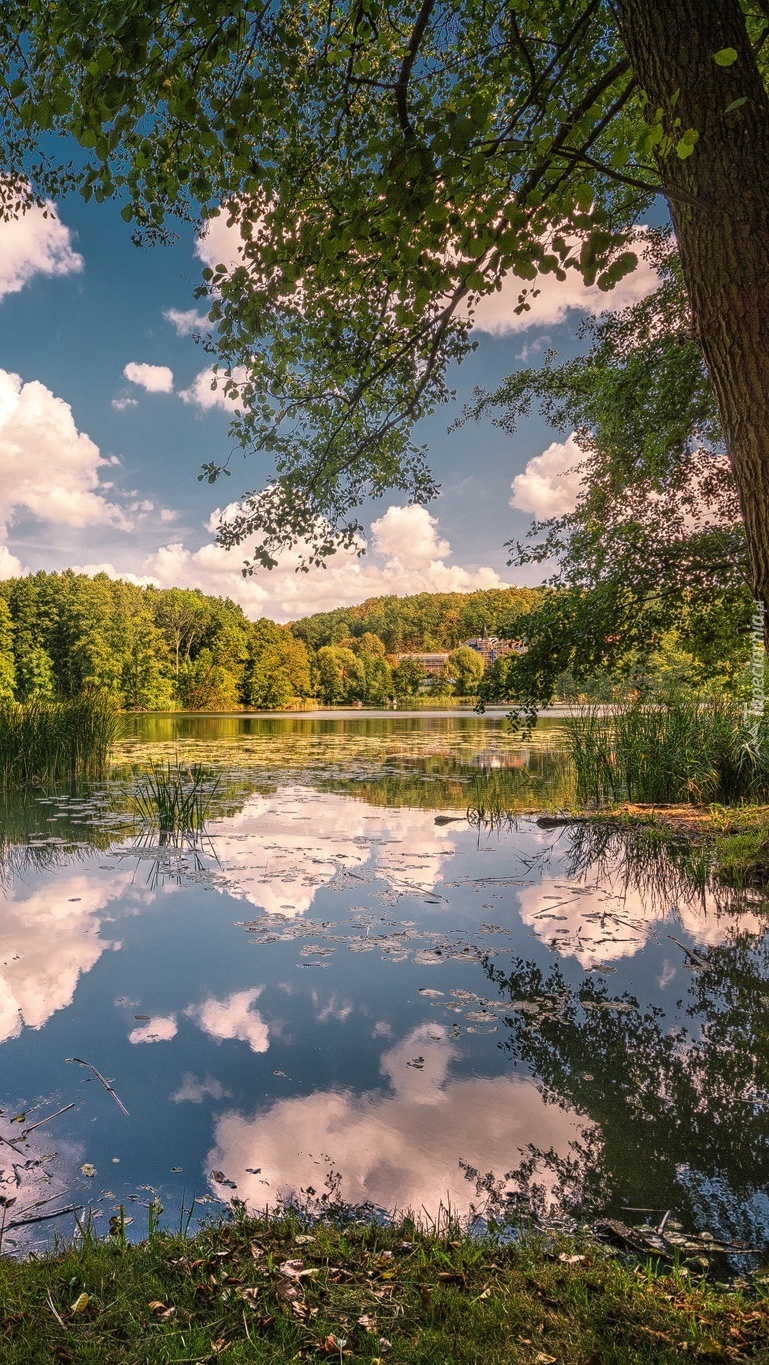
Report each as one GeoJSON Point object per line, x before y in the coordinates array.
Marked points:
{"type": "Point", "coordinates": [675, 1117]}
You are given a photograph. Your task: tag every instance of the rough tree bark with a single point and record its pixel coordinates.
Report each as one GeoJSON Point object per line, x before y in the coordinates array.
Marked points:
{"type": "Point", "coordinates": [719, 199]}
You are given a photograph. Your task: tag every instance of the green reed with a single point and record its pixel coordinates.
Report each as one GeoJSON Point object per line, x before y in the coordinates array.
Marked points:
{"type": "Point", "coordinates": [53, 741]}
{"type": "Point", "coordinates": [679, 751]}
{"type": "Point", "coordinates": [174, 797]}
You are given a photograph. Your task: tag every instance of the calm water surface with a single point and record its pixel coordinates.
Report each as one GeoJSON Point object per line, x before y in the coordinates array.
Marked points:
{"type": "Point", "coordinates": [350, 985]}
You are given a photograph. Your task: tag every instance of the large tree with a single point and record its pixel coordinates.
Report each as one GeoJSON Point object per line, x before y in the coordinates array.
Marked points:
{"type": "Point", "coordinates": [386, 165]}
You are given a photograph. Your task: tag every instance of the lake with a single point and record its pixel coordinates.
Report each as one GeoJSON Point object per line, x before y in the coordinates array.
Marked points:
{"type": "Point", "coordinates": [368, 981]}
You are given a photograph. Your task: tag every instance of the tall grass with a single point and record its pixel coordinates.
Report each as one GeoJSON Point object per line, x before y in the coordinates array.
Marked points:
{"type": "Point", "coordinates": [174, 797]}
{"type": "Point", "coordinates": [679, 751]}
{"type": "Point", "coordinates": [55, 741]}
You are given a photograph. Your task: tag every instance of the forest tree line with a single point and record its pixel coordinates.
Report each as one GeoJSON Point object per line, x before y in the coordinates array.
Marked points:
{"type": "Point", "coordinates": [62, 634]}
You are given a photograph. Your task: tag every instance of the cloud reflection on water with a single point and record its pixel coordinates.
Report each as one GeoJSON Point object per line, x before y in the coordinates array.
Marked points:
{"type": "Point", "coordinates": [399, 1148]}
{"type": "Point", "coordinates": [279, 851]}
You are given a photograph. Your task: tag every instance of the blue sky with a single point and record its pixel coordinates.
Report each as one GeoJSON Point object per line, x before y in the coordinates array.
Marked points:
{"type": "Point", "coordinates": [106, 416]}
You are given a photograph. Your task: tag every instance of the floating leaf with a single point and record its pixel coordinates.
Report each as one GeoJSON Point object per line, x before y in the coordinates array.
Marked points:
{"type": "Point", "coordinates": [88, 1169]}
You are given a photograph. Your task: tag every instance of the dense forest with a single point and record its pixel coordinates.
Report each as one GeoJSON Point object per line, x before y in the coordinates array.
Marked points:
{"type": "Point", "coordinates": [62, 634]}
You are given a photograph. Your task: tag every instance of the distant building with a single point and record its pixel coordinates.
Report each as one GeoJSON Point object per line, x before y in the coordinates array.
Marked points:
{"type": "Point", "coordinates": [432, 662]}
{"type": "Point", "coordinates": [491, 648]}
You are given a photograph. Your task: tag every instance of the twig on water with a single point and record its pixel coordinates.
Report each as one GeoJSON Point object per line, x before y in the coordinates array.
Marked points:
{"type": "Point", "coordinates": [40, 1122]}
{"type": "Point", "coordinates": [104, 1082]}
{"type": "Point", "coordinates": [42, 1217]}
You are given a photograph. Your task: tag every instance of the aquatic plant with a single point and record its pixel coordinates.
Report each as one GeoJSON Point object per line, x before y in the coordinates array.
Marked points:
{"type": "Point", "coordinates": [679, 751]}
{"type": "Point", "coordinates": [53, 741]}
{"type": "Point", "coordinates": [174, 797]}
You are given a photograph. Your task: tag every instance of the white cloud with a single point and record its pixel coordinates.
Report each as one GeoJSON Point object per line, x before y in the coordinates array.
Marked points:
{"type": "Point", "coordinates": [219, 244]}
{"type": "Point", "coordinates": [185, 322]}
{"type": "Point", "coordinates": [36, 243]}
{"type": "Point", "coordinates": [233, 1017]}
{"type": "Point", "coordinates": [195, 1091]}
{"type": "Point", "coordinates": [120, 404]}
{"type": "Point", "coordinates": [153, 378]}
{"type": "Point", "coordinates": [398, 1149]}
{"type": "Point", "coordinates": [47, 941]}
{"type": "Point", "coordinates": [495, 313]}
{"type": "Point", "coordinates": [408, 556]}
{"type": "Point", "coordinates": [621, 922]}
{"type": "Point", "coordinates": [47, 467]}
{"type": "Point", "coordinates": [207, 391]}
{"type": "Point", "coordinates": [161, 1028]}
{"type": "Point", "coordinates": [550, 484]}
{"type": "Point", "coordinates": [10, 566]}
{"type": "Point", "coordinates": [297, 830]}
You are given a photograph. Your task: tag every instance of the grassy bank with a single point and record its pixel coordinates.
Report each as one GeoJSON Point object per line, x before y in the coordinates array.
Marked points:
{"type": "Point", "coordinates": [276, 1289]}
{"type": "Point", "coordinates": [49, 741]}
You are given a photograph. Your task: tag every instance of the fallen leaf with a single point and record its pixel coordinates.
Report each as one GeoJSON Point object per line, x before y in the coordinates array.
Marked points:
{"type": "Point", "coordinates": [249, 1293]}
{"type": "Point", "coordinates": [88, 1169]}
{"type": "Point", "coordinates": [81, 1303]}
{"type": "Point", "coordinates": [570, 1260]}
{"type": "Point", "coordinates": [368, 1323]}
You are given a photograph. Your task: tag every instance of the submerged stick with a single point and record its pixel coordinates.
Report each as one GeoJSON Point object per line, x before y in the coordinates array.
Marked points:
{"type": "Point", "coordinates": [40, 1122]}
{"type": "Point", "coordinates": [42, 1217]}
{"type": "Point", "coordinates": [103, 1081]}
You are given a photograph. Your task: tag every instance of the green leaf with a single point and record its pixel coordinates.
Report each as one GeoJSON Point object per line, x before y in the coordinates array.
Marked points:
{"type": "Point", "coordinates": [17, 87]}
{"type": "Point", "coordinates": [736, 104]}
{"type": "Point", "coordinates": [726, 57]}
{"type": "Point", "coordinates": [127, 213]}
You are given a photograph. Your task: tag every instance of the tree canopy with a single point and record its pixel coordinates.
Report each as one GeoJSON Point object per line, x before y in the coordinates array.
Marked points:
{"type": "Point", "coordinates": [386, 165]}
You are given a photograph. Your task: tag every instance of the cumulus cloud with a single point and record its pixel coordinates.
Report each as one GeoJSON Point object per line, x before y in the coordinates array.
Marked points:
{"type": "Point", "coordinates": [185, 322]}
{"type": "Point", "coordinates": [161, 1028]}
{"type": "Point", "coordinates": [298, 832]}
{"type": "Point", "coordinates": [207, 391]}
{"type": "Point", "coordinates": [153, 378]}
{"type": "Point", "coordinates": [36, 243]}
{"type": "Point", "coordinates": [627, 918]}
{"type": "Point", "coordinates": [233, 1017]}
{"type": "Point", "coordinates": [495, 313]}
{"type": "Point", "coordinates": [48, 941]}
{"type": "Point", "coordinates": [10, 566]}
{"type": "Point", "coordinates": [408, 555]}
{"type": "Point", "coordinates": [398, 1149]}
{"type": "Point", "coordinates": [47, 467]}
{"type": "Point", "coordinates": [195, 1091]}
{"type": "Point", "coordinates": [550, 484]}
{"type": "Point", "coordinates": [219, 244]}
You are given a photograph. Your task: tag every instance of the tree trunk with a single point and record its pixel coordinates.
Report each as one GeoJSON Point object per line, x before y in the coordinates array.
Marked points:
{"type": "Point", "coordinates": [719, 200]}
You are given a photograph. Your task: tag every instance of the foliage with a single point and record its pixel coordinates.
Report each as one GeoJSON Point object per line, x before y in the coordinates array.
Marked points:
{"type": "Point", "coordinates": [381, 182]}
{"type": "Point", "coordinates": [267, 1289]}
{"type": "Point", "coordinates": [653, 555]}
{"type": "Point", "coordinates": [46, 741]}
{"type": "Point", "coordinates": [677, 751]}
{"type": "Point", "coordinates": [423, 621]}
{"type": "Point", "coordinates": [7, 662]}
{"type": "Point", "coordinates": [462, 672]}
{"type": "Point", "coordinates": [279, 667]}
